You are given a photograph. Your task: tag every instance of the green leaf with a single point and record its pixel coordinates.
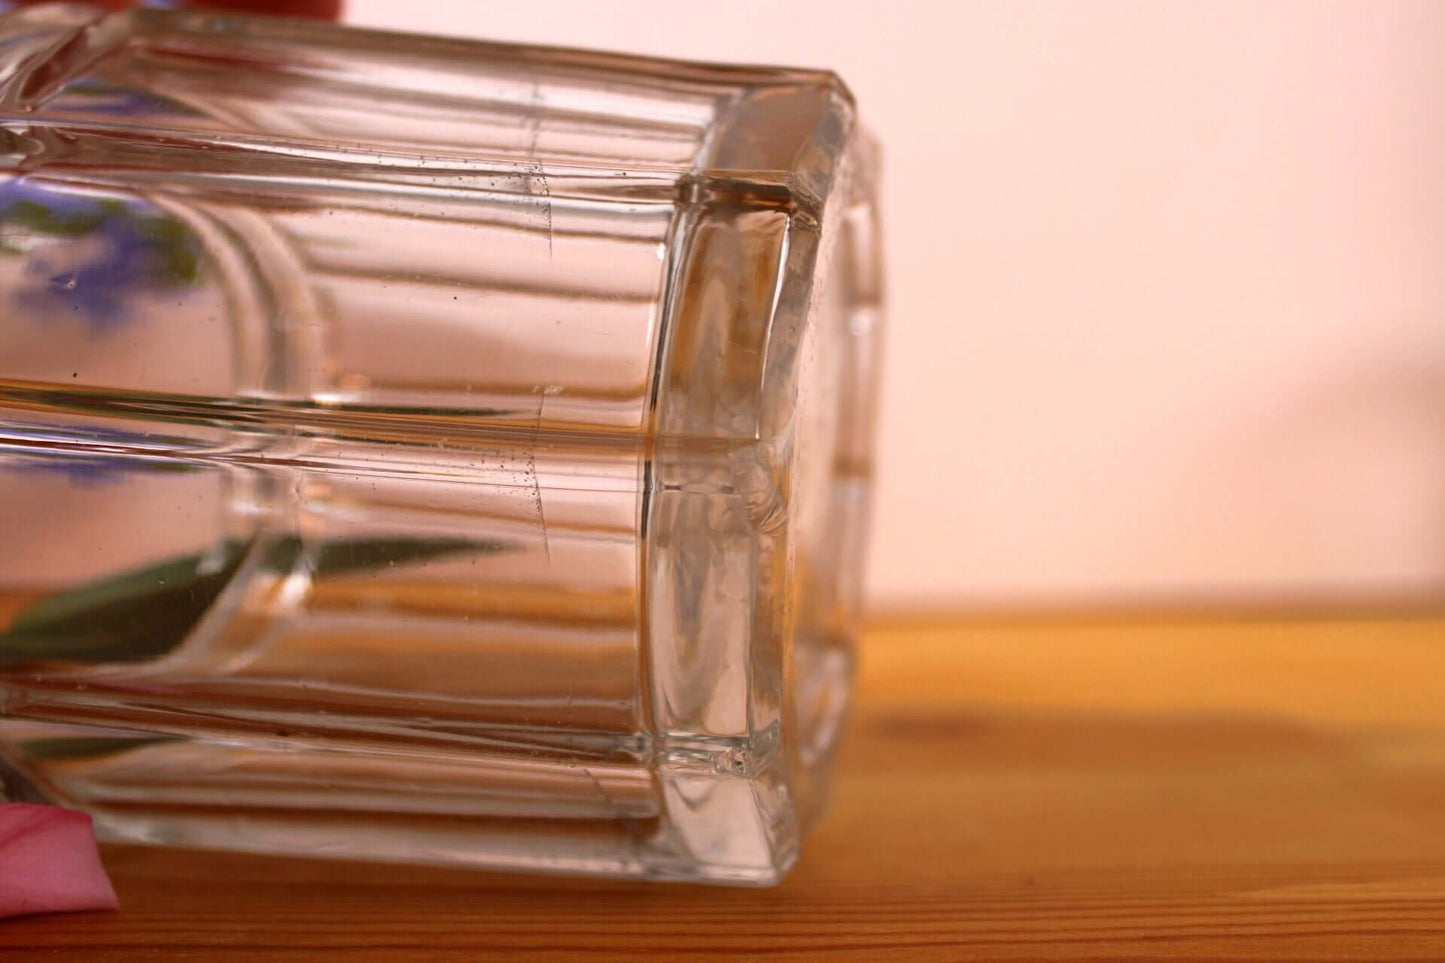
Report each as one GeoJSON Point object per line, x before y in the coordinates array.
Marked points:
{"type": "Point", "coordinates": [146, 612]}
{"type": "Point", "coordinates": [340, 556]}
{"type": "Point", "coordinates": [86, 747]}
{"type": "Point", "coordinates": [130, 617]}
{"type": "Point", "coordinates": [136, 583]}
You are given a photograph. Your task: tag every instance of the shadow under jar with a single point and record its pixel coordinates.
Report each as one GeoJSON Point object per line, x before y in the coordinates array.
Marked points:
{"type": "Point", "coordinates": [427, 449]}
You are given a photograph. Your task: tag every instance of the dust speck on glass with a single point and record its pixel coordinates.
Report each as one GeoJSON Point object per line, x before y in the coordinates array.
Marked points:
{"type": "Point", "coordinates": [426, 449]}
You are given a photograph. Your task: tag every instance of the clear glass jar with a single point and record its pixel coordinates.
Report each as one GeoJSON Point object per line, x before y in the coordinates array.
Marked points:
{"type": "Point", "coordinates": [428, 449]}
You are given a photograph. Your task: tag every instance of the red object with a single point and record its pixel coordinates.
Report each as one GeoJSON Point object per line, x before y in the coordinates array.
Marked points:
{"type": "Point", "coordinates": [49, 863]}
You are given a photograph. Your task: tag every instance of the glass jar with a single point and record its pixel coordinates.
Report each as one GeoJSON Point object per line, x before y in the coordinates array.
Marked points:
{"type": "Point", "coordinates": [428, 449]}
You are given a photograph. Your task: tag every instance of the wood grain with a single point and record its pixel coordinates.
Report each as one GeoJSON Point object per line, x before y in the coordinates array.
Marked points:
{"type": "Point", "coordinates": [1185, 790]}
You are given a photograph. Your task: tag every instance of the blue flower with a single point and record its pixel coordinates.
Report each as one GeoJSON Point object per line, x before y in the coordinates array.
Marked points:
{"type": "Point", "coordinates": [107, 253]}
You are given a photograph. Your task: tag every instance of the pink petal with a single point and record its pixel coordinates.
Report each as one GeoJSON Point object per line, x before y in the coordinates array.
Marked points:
{"type": "Point", "coordinates": [49, 863]}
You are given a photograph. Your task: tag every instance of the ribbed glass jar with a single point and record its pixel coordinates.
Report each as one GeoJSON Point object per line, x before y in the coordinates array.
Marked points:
{"type": "Point", "coordinates": [427, 449]}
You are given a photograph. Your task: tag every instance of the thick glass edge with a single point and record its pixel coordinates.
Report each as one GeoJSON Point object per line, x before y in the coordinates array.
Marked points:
{"type": "Point", "coordinates": [720, 469]}
{"type": "Point", "coordinates": [764, 115]}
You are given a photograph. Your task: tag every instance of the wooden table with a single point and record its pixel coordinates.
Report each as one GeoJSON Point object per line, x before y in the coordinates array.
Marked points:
{"type": "Point", "coordinates": [1241, 790]}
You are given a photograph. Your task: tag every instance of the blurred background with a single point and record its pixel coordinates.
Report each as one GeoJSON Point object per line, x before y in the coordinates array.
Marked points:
{"type": "Point", "coordinates": [1167, 285]}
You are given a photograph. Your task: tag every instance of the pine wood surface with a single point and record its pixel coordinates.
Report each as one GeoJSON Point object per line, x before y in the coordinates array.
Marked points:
{"type": "Point", "coordinates": [1210, 789]}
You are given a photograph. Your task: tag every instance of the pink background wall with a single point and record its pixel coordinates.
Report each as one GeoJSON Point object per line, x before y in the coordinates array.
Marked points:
{"type": "Point", "coordinates": [1167, 283]}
